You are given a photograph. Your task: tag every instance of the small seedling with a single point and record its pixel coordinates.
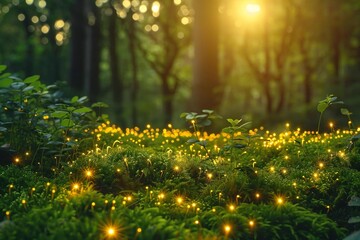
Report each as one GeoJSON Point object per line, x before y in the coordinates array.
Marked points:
{"type": "Point", "coordinates": [324, 104]}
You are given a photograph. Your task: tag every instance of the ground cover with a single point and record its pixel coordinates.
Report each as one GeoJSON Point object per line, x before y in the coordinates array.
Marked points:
{"type": "Point", "coordinates": [75, 175]}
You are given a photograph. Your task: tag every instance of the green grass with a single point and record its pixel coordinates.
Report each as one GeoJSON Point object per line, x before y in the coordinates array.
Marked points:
{"type": "Point", "coordinates": [152, 184]}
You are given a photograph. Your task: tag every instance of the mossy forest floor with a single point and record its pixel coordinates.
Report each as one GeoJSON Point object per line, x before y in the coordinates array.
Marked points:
{"type": "Point", "coordinates": [157, 184]}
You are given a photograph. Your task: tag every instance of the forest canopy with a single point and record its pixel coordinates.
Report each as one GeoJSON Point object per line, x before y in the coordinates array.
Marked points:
{"type": "Point", "coordinates": [266, 61]}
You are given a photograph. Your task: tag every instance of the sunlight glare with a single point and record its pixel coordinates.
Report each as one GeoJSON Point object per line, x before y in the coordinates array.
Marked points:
{"type": "Point", "coordinates": [252, 8]}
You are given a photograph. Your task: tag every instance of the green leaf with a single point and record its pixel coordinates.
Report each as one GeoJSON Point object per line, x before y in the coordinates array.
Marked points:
{"type": "Point", "coordinates": [17, 85]}
{"type": "Point", "coordinates": [192, 140]}
{"type": "Point", "coordinates": [345, 111]}
{"type": "Point", "coordinates": [83, 110]}
{"type": "Point", "coordinates": [354, 219]}
{"type": "Point", "coordinates": [321, 107]}
{"type": "Point", "coordinates": [67, 122]}
{"type": "Point", "coordinates": [6, 82]}
{"type": "Point", "coordinates": [201, 116]}
{"type": "Point", "coordinates": [59, 114]}
{"type": "Point", "coordinates": [2, 68]}
{"type": "Point", "coordinates": [234, 122]}
{"type": "Point", "coordinates": [354, 201]}
{"type": "Point", "coordinates": [5, 75]}
{"type": "Point", "coordinates": [28, 88]}
{"type": "Point", "coordinates": [202, 143]}
{"type": "Point", "coordinates": [99, 105]}
{"type": "Point", "coordinates": [83, 99]}
{"type": "Point", "coordinates": [32, 79]}
{"type": "Point", "coordinates": [74, 99]}
{"type": "Point", "coordinates": [208, 111]}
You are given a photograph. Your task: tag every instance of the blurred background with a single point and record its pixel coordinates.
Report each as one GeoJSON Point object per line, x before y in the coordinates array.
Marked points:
{"type": "Point", "coordinates": [268, 61]}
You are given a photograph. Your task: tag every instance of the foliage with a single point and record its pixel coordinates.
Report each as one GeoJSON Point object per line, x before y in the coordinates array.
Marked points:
{"type": "Point", "coordinates": [324, 104]}
{"type": "Point", "coordinates": [38, 122]}
{"type": "Point", "coordinates": [145, 184]}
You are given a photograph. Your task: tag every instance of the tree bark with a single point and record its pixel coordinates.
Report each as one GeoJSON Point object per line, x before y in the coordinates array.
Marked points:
{"type": "Point", "coordinates": [206, 89]}
{"type": "Point", "coordinates": [116, 81]}
{"type": "Point", "coordinates": [77, 55]}
{"type": "Point", "coordinates": [92, 59]}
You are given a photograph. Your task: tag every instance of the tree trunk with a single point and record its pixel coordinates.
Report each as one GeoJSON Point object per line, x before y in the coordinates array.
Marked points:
{"type": "Point", "coordinates": [77, 55]}
{"type": "Point", "coordinates": [116, 81]}
{"type": "Point", "coordinates": [134, 69]}
{"type": "Point", "coordinates": [92, 59]}
{"type": "Point", "coordinates": [206, 89]}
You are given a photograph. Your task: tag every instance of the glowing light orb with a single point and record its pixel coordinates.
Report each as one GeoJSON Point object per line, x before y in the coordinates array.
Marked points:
{"type": "Point", "coordinates": [252, 8]}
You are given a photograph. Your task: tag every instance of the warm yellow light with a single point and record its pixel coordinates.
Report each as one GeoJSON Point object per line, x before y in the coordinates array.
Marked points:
{"type": "Point", "coordinates": [161, 196]}
{"type": "Point", "coordinates": [209, 175]}
{"type": "Point", "coordinates": [143, 8]}
{"type": "Point", "coordinates": [227, 228]}
{"type": "Point", "coordinates": [231, 207]}
{"type": "Point", "coordinates": [59, 24]}
{"type": "Point", "coordinates": [321, 165]}
{"type": "Point", "coordinates": [177, 2]}
{"type": "Point", "coordinates": [75, 186]}
{"type": "Point", "coordinates": [139, 230]}
{"type": "Point", "coordinates": [257, 195]}
{"type": "Point", "coordinates": [251, 223]}
{"type": "Point", "coordinates": [42, 4]}
{"type": "Point", "coordinates": [21, 17]}
{"type": "Point", "coordinates": [179, 200]}
{"type": "Point", "coordinates": [155, 8]}
{"type": "Point", "coordinates": [252, 8]}
{"type": "Point", "coordinates": [279, 200]}
{"type": "Point", "coordinates": [111, 231]}
{"type": "Point", "coordinates": [176, 168]}
{"type": "Point", "coordinates": [17, 160]}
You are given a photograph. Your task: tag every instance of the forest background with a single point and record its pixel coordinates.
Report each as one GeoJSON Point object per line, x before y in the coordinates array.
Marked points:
{"type": "Point", "coordinates": [266, 61]}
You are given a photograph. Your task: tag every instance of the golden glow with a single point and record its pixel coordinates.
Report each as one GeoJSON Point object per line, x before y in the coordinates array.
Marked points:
{"type": "Point", "coordinates": [75, 186]}
{"type": "Point", "coordinates": [251, 223]}
{"type": "Point", "coordinates": [42, 4]}
{"type": "Point", "coordinates": [21, 17]}
{"type": "Point", "coordinates": [17, 160]}
{"type": "Point", "coordinates": [179, 200]}
{"type": "Point", "coordinates": [34, 19]}
{"type": "Point", "coordinates": [59, 24]}
{"type": "Point", "coordinates": [155, 27]}
{"type": "Point", "coordinates": [185, 20]}
{"type": "Point", "coordinates": [111, 231]}
{"type": "Point", "coordinates": [139, 230]}
{"type": "Point", "coordinates": [143, 8]}
{"type": "Point", "coordinates": [252, 8]}
{"type": "Point", "coordinates": [279, 200]}
{"type": "Point", "coordinates": [155, 8]}
{"type": "Point", "coordinates": [126, 4]}
{"type": "Point", "coordinates": [88, 173]}
{"type": "Point", "coordinates": [177, 2]}
{"type": "Point", "coordinates": [29, 2]}
{"type": "Point", "coordinates": [227, 228]}
{"type": "Point", "coordinates": [231, 207]}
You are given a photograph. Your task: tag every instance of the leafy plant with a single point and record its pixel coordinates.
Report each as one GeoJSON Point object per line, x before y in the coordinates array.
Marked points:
{"type": "Point", "coordinates": [37, 121]}
{"type": "Point", "coordinates": [237, 137]}
{"type": "Point", "coordinates": [198, 122]}
{"type": "Point", "coordinates": [324, 104]}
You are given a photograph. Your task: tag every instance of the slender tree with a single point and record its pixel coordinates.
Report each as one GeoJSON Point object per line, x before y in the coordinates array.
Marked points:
{"type": "Point", "coordinates": [207, 87]}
